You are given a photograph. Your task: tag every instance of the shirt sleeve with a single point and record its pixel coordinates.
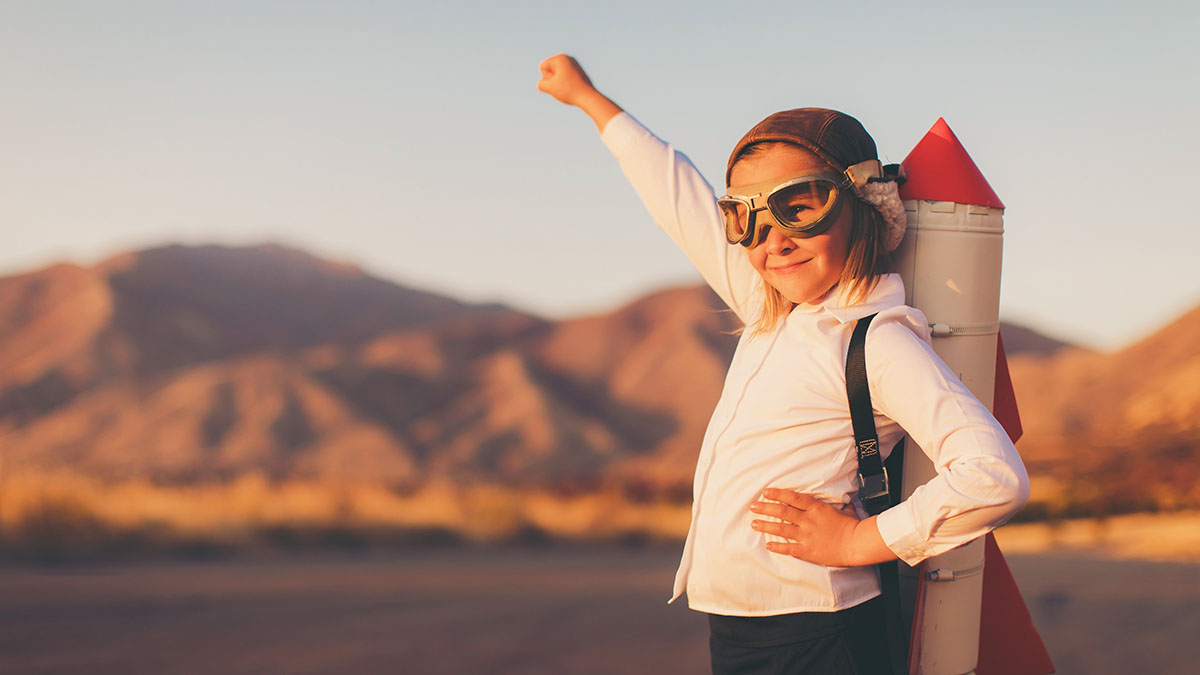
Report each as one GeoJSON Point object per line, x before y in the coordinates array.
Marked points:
{"type": "Point", "coordinates": [980, 482]}
{"type": "Point", "coordinates": [683, 205]}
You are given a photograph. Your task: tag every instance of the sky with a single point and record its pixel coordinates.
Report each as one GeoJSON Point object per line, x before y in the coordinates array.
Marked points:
{"type": "Point", "coordinates": [409, 137]}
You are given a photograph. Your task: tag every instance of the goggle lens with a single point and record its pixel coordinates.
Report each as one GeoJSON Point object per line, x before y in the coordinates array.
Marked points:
{"type": "Point", "coordinates": [801, 206]}
{"type": "Point", "coordinates": [737, 219]}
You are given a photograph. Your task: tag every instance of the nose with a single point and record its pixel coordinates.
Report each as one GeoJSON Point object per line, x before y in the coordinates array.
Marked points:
{"type": "Point", "coordinates": [777, 242]}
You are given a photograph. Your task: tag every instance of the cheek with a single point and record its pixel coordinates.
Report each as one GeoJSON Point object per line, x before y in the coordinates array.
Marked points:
{"type": "Point", "coordinates": [838, 246]}
{"type": "Point", "coordinates": [757, 257]}
{"type": "Point", "coordinates": [840, 250]}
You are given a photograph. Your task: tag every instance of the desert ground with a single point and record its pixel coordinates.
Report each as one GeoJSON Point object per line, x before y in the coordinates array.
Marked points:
{"type": "Point", "coordinates": [469, 609]}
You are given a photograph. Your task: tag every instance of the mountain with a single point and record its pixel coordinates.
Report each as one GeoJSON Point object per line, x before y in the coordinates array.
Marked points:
{"type": "Point", "coordinates": [195, 363]}
{"type": "Point", "coordinates": [187, 365]}
{"type": "Point", "coordinates": [66, 328]}
{"type": "Point", "coordinates": [1020, 340]}
{"type": "Point", "coordinates": [1148, 385]}
{"type": "Point", "coordinates": [1116, 431]}
{"type": "Point", "coordinates": [572, 403]}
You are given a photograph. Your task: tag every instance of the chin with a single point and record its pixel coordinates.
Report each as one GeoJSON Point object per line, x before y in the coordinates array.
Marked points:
{"type": "Point", "coordinates": [803, 296]}
{"type": "Point", "coordinates": [802, 300]}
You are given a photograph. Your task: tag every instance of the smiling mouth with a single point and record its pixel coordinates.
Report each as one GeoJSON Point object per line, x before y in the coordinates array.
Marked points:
{"type": "Point", "coordinates": [784, 269]}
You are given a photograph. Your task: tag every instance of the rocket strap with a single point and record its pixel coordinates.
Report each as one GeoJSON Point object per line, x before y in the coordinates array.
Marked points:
{"type": "Point", "coordinates": [876, 493]}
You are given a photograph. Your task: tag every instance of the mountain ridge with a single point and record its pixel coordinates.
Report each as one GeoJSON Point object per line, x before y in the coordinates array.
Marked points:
{"type": "Point", "coordinates": [197, 364]}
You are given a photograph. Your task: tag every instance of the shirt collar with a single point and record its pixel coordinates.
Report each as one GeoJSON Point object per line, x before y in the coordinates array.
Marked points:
{"type": "Point", "coordinates": [888, 292]}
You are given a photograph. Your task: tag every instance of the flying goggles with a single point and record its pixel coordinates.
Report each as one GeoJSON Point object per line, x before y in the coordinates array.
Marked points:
{"type": "Point", "coordinates": [801, 205]}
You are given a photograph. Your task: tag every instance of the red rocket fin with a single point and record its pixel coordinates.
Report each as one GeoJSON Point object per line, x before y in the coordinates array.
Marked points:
{"type": "Point", "coordinates": [1009, 643]}
{"type": "Point", "coordinates": [939, 169]}
{"type": "Point", "coordinates": [1004, 400]}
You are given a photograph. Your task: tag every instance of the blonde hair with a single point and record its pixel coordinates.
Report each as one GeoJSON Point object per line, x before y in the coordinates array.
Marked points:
{"type": "Point", "coordinates": [867, 258]}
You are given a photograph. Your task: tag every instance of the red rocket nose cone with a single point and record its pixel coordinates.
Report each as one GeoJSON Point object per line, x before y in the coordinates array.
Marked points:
{"type": "Point", "coordinates": [939, 169]}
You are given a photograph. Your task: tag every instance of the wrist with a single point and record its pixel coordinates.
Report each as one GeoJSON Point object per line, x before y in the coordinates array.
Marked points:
{"type": "Point", "coordinates": [597, 106]}
{"type": "Point", "coordinates": [866, 544]}
{"type": "Point", "coordinates": [853, 552]}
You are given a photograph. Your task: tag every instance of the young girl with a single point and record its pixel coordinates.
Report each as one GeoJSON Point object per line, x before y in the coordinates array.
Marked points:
{"type": "Point", "coordinates": [780, 553]}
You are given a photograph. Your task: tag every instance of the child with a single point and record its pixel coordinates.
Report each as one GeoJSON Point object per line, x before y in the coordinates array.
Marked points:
{"type": "Point", "coordinates": [779, 552]}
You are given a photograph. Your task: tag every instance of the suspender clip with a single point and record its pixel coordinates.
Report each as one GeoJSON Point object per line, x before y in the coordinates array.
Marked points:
{"type": "Point", "coordinates": [873, 486]}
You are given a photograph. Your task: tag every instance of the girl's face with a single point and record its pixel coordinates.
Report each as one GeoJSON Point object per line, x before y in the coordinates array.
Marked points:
{"type": "Point", "coordinates": [802, 270]}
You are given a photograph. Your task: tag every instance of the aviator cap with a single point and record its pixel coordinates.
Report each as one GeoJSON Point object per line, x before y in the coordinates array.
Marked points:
{"type": "Point", "coordinates": [835, 137]}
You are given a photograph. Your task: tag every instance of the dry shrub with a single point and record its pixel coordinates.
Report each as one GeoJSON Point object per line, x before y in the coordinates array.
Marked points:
{"type": "Point", "coordinates": [73, 515]}
{"type": "Point", "coordinates": [1162, 536]}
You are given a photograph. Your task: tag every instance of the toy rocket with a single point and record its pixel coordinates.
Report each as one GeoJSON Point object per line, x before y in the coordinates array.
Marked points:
{"type": "Point", "coordinates": [950, 262]}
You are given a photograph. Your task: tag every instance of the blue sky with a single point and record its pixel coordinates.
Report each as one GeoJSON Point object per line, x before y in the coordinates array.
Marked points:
{"type": "Point", "coordinates": [410, 138]}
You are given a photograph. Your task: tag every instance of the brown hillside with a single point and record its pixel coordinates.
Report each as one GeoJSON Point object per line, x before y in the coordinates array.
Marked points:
{"type": "Point", "coordinates": [577, 403]}
{"type": "Point", "coordinates": [53, 339]}
{"type": "Point", "coordinates": [209, 364]}
{"type": "Point", "coordinates": [66, 329]}
{"type": "Point", "coordinates": [1114, 432]}
{"type": "Point", "coordinates": [1153, 384]}
{"type": "Point", "coordinates": [1021, 340]}
{"type": "Point", "coordinates": [178, 305]}
{"type": "Point", "coordinates": [48, 319]}
{"type": "Point", "coordinates": [665, 353]}
{"type": "Point", "coordinates": [211, 422]}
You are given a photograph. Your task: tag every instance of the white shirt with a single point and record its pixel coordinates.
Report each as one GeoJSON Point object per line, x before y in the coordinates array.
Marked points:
{"type": "Point", "coordinates": [783, 420]}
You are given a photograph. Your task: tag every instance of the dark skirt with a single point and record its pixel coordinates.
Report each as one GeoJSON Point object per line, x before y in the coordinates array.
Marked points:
{"type": "Point", "coordinates": [849, 642]}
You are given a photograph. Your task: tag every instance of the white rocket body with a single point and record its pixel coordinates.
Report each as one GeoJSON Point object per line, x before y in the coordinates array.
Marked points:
{"type": "Point", "coordinates": [950, 262]}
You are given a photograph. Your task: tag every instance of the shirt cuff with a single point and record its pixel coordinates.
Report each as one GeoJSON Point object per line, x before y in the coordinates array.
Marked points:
{"type": "Point", "coordinates": [899, 531]}
{"type": "Point", "coordinates": [621, 132]}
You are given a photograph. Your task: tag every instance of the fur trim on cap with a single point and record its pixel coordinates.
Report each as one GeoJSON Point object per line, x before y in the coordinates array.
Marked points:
{"type": "Point", "coordinates": [885, 197]}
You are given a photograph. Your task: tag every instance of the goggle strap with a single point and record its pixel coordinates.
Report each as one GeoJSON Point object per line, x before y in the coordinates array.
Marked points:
{"type": "Point", "coordinates": [864, 172]}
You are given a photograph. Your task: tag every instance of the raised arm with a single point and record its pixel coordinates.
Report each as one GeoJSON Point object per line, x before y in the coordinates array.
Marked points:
{"type": "Point", "coordinates": [678, 198]}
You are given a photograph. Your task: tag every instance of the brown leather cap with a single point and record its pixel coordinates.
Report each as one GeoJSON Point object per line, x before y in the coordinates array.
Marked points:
{"type": "Point", "coordinates": [835, 137]}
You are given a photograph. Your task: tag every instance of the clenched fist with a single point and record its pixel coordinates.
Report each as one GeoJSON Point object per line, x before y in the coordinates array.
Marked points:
{"type": "Point", "coordinates": [564, 79]}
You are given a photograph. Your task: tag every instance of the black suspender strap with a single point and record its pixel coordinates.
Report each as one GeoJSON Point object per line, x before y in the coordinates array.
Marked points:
{"type": "Point", "coordinates": [875, 492]}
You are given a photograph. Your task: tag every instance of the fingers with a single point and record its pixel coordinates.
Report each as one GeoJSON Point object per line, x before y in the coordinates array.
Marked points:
{"type": "Point", "coordinates": [785, 548]}
{"type": "Point", "coordinates": [794, 509]}
{"type": "Point", "coordinates": [785, 512]}
{"type": "Point", "coordinates": [548, 63]}
{"type": "Point", "coordinates": [551, 66]}
{"type": "Point", "coordinates": [789, 506]}
{"type": "Point", "coordinates": [799, 500]}
{"type": "Point", "coordinates": [801, 534]}
{"type": "Point", "coordinates": [785, 530]}
{"type": "Point", "coordinates": [547, 69]}
{"type": "Point", "coordinates": [557, 65]}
